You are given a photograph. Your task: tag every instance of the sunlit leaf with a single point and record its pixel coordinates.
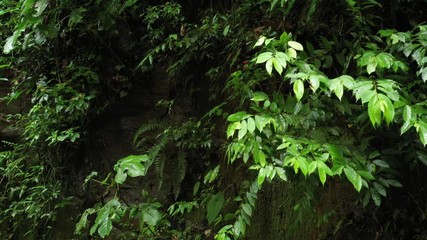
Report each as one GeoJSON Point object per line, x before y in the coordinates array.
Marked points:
{"type": "Point", "coordinates": [299, 89]}
{"type": "Point", "coordinates": [295, 45]}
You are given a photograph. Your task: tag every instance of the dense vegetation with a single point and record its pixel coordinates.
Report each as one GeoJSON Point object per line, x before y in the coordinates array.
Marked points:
{"type": "Point", "coordinates": [301, 95]}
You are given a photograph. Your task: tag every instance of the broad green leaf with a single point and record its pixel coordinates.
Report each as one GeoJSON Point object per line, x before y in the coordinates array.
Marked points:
{"type": "Point", "coordinates": [214, 206]}
{"type": "Point", "coordinates": [104, 225]}
{"type": "Point", "coordinates": [232, 128]}
{"type": "Point", "coordinates": [322, 175]}
{"type": "Point", "coordinates": [386, 107]}
{"type": "Point", "coordinates": [269, 65]}
{"type": "Point", "coordinates": [243, 129]}
{"type": "Point", "coordinates": [277, 66]}
{"type": "Point", "coordinates": [347, 81]}
{"type": "Point", "coordinates": [11, 41]}
{"type": "Point", "coordinates": [130, 165]}
{"type": "Point", "coordinates": [303, 165]}
{"type": "Point", "coordinates": [299, 89]}
{"type": "Point", "coordinates": [353, 177]}
{"type": "Point", "coordinates": [380, 189]}
{"type": "Point", "coordinates": [282, 146]}
{"type": "Point", "coordinates": [312, 167]}
{"type": "Point", "coordinates": [260, 41]}
{"type": "Point", "coordinates": [260, 157]}
{"type": "Point", "coordinates": [282, 58]}
{"type": "Point", "coordinates": [374, 111]}
{"type": "Point", "coordinates": [424, 74]}
{"type": "Point", "coordinates": [247, 209]}
{"type": "Point", "coordinates": [261, 121]}
{"type": "Point", "coordinates": [151, 216]}
{"type": "Point", "coordinates": [375, 196]}
{"type": "Point", "coordinates": [381, 163]}
{"type": "Point", "coordinates": [264, 57]}
{"type": "Point", "coordinates": [337, 88]}
{"type": "Point", "coordinates": [281, 173]}
{"type": "Point", "coordinates": [238, 116]}
{"type": "Point", "coordinates": [321, 164]}
{"type": "Point", "coordinates": [41, 6]}
{"type": "Point", "coordinates": [259, 96]}
{"type": "Point", "coordinates": [407, 113]}
{"type": "Point", "coordinates": [292, 53]}
{"type": "Point", "coordinates": [295, 45]}
{"type": "Point", "coordinates": [384, 60]}
{"type": "Point", "coordinates": [83, 220]}
{"type": "Point", "coordinates": [371, 67]}
{"type": "Point", "coordinates": [405, 127]}
{"type": "Point", "coordinates": [251, 125]}
{"type": "Point", "coordinates": [261, 177]}
{"type": "Point", "coordinates": [422, 132]}
{"type": "Point", "coordinates": [365, 175]}
{"type": "Point", "coordinates": [315, 81]}
{"type": "Point", "coordinates": [239, 226]}
{"type": "Point", "coordinates": [394, 183]}
{"type": "Point", "coordinates": [76, 16]}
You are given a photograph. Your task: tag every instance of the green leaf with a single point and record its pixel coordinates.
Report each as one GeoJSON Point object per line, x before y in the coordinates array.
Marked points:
{"type": "Point", "coordinates": [281, 173]}
{"type": "Point", "coordinates": [365, 175]}
{"type": "Point", "coordinates": [269, 66]}
{"type": "Point", "coordinates": [282, 58]}
{"type": "Point", "coordinates": [251, 125]}
{"type": "Point", "coordinates": [261, 121]}
{"type": "Point", "coordinates": [422, 132]}
{"type": "Point", "coordinates": [374, 111]}
{"type": "Point", "coordinates": [312, 167]}
{"type": "Point", "coordinates": [375, 196]}
{"type": "Point", "coordinates": [151, 216]}
{"type": "Point", "coordinates": [260, 157]}
{"type": "Point", "coordinates": [83, 220]}
{"type": "Point", "coordinates": [384, 60]}
{"type": "Point", "coordinates": [214, 206]}
{"type": "Point", "coordinates": [386, 107]}
{"type": "Point", "coordinates": [232, 128]}
{"type": "Point", "coordinates": [337, 87]}
{"type": "Point", "coordinates": [277, 66]}
{"type": "Point", "coordinates": [292, 53]}
{"type": "Point", "coordinates": [238, 116]}
{"type": "Point", "coordinates": [372, 65]}
{"type": "Point", "coordinates": [315, 81]}
{"type": "Point", "coordinates": [243, 129]}
{"type": "Point", "coordinates": [260, 41]}
{"type": "Point", "coordinates": [299, 89]}
{"type": "Point", "coordinates": [41, 6]}
{"type": "Point", "coordinates": [11, 41]}
{"type": "Point", "coordinates": [259, 96]}
{"type": "Point", "coordinates": [76, 16]}
{"type": "Point", "coordinates": [394, 183]}
{"type": "Point", "coordinates": [130, 165]}
{"type": "Point", "coordinates": [295, 45]}
{"type": "Point", "coordinates": [261, 177]}
{"type": "Point", "coordinates": [247, 209]}
{"type": "Point", "coordinates": [104, 224]}
{"type": "Point", "coordinates": [407, 113]}
{"type": "Point", "coordinates": [380, 189]}
{"type": "Point", "coordinates": [381, 163]}
{"type": "Point", "coordinates": [264, 57]}
{"type": "Point", "coordinates": [353, 177]}
{"type": "Point", "coordinates": [322, 175]}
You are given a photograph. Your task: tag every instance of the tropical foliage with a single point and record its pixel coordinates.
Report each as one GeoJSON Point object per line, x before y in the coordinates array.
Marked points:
{"type": "Point", "coordinates": [302, 93]}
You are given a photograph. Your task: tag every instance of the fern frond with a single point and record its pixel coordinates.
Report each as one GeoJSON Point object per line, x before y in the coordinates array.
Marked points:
{"type": "Point", "coordinates": [149, 126]}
